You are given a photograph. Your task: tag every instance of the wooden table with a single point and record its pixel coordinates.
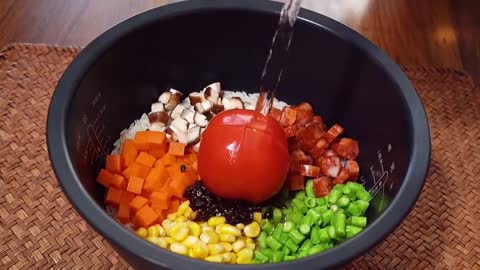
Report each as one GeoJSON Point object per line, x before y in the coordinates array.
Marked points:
{"type": "Point", "coordinates": [440, 33]}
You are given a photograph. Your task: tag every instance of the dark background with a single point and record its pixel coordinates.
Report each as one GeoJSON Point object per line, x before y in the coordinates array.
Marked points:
{"type": "Point", "coordinates": [439, 33]}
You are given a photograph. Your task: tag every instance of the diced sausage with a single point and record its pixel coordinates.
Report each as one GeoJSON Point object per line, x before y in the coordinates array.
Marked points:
{"type": "Point", "coordinates": [307, 137]}
{"type": "Point", "coordinates": [298, 156]}
{"type": "Point", "coordinates": [322, 186]}
{"type": "Point", "coordinates": [304, 113]}
{"type": "Point", "coordinates": [275, 113]}
{"type": "Point", "coordinates": [353, 169]}
{"type": "Point", "coordinates": [319, 148]}
{"type": "Point", "coordinates": [348, 148]}
{"type": "Point", "coordinates": [318, 121]}
{"type": "Point", "coordinates": [288, 117]}
{"type": "Point", "coordinates": [295, 182]}
{"type": "Point", "coordinates": [333, 133]}
{"type": "Point", "coordinates": [342, 177]}
{"type": "Point", "coordinates": [330, 165]}
{"type": "Point", "coordinates": [334, 144]}
{"type": "Point", "coordinates": [309, 170]}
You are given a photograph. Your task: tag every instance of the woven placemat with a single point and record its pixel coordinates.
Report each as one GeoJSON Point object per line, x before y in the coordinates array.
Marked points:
{"type": "Point", "coordinates": [40, 230]}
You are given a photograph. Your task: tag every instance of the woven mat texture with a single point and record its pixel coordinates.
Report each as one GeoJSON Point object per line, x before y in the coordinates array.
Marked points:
{"type": "Point", "coordinates": [39, 229]}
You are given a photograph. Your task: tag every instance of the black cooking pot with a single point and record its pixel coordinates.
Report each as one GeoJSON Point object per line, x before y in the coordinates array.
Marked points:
{"type": "Point", "coordinates": [190, 44]}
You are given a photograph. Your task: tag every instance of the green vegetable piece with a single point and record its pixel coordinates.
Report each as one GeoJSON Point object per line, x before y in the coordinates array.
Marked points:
{"type": "Point", "coordinates": [355, 186]}
{"type": "Point", "coordinates": [339, 223]}
{"type": "Point", "coordinates": [262, 239]}
{"type": "Point", "coordinates": [314, 235]}
{"type": "Point", "coordinates": [292, 246]}
{"type": "Point", "coordinates": [305, 246]}
{"type": "Point", "coordinates": [286, 250]}
{"type": "Point", "coordinates": [283, 237]}
{"type": "Point", "coordinates": [327, 217]}
{"type": "Point", "coordinates": [297, 218]}
{"type": "Point", "coordinates": [321, 208]}
{"type": "Point", "coordinates": [334, 196]}
{"type": "Point", "coordinates": [301, 195]}
{"type": "Point", "coordinates": [277, 256]}
{"type": "Point", "coordinates": [347, 190]}
{"type": "Point", "coordinates": [299, 205]}
{"type": "Point", "coordinates": [277, 215]}
{"type": "Point", "coordinates": [310, 202]}
{"type": "Point", "coordinates": [321, 201]}
{"type": "Point", "coordinates": [344, 201]}
{"type": "Point", "coordinates": [296, 236]}
{"type": "Point", "coordinates": [289, 257]}
{"type": "Point", "coordinates": [308, 219]}
{"type": "Point", "coordinates": [302, 254]}
{"type": "Point", "coordinates": [309, 189]}
{"type": "Point", "coordinates": [318, 248]}
{"type": "Point", "coordinates": [359, 221]}
{"type": "Point", "coordinates": [268, 227]}
{"type": "Point", "coordinates": [323, 236]}
{"type": "Point", "coordinates": [288, 226]}
{"type": "Point", "coordinates": [363, 205]}
{"type": "Point", "coordinates": [315, 215]}
{"type": "Point", "coordinates": [354, 210]}
{"type": "Point", "coordinates": [352, 196]}
{"type": "Point", "coordinates": [304, 229]}
{"type": "Point", "coordinates": [351, 230]}
{"type": "Point", "coordinates": [278, 231]}
{"type": "Point", "coordinates": [331, 232]}
{"type": "Point", "coordinates": [363, 195]}
{"type": "Point", "coordinates": [268, 252]}
{"type": "Point", "coordinates": [339, 187]}
{"type": "Point", "coordinates": [260, 257]}
{"type": "Point", "coordinates": [273, 243]}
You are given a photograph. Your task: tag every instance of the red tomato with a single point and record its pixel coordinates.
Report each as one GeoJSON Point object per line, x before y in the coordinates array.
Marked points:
{"type": "Point", "coordinates": [243, 155]}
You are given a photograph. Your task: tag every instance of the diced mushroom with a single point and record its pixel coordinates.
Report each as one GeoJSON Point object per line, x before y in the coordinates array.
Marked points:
{"type": "Point", "coordinates": [171, 134]}
{"type": "Point", "coordinates": [173, 102]}
{"type": "Point", "coordinates": [158, 117]}
{"type": "Point", "coordinates": [217, 108]}
{"type": "Point", "coordinates": [207, 105]}
{"type": "Point", "coordinates": [209, 115]}
{"type": "Point", "coordinates": [212, 92]}
{"type": "Point", "coordinates": [176, 92]}
{"type": "Point", "coordinates": [165, 97]}
{"type": "Point", "coordinates": [249, 106]}
{"type": "Point", "coordinates": [180, 124]}
{"type": "Point", "coordinates": [232, 103]}
{"type": "Point", "coordinates": [188, 115]}
{"type": "Point", "coordinates": [194, 135]}
{"type": "Point", "coordinates": [199, 108]}
{"type": "Point", "coordinates": [157, 107]}
{"type": "Point", "coordinates": [177, 112]}
{"type": "Point", "coordinates": [195, 98]}
{"type": "Point", "coordinates": [158, 127]}
{"type": "Point", "coordinates": [200, 119]}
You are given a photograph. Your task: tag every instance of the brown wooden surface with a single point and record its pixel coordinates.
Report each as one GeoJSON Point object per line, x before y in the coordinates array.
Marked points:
{"type": "Point", "coordinates": [440, 33]}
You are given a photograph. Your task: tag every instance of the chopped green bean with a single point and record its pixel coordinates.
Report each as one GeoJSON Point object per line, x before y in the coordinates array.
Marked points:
{"type": "Point", "coordinates": [354, 210]}
{"type": "Point", "coordinates": [314, 235]}
{"type": "Point", "coordinates": [347, 190]}
{"type": "Point", "coordinates": [352, 230]}
{"type": "Point", "coordinates": [277, 256]}
{"type": "Point", "coordinates": [308, 219]}
{"type": "Point", "coordinates": [310, 202]}
{"type": "Point", "coordinates": [317, 249]}
{"type": "Point", "coordinates": [277, 215]}
{"type": "Point", "coordinates": [289, 257]}
{"type": "Point", "coordinates": [260, 257]}
{"type": "Point", "coordinates": [288, 226]}
{"type": "Point", "coordinates": [321, 208]}
{"type": "Point", "coordinates": [344, 201]}
{"type": "Point", "coordinates": [273, 243]}
{"type": "Point", "coordinates": [278, 231]}
{"type": "Point", "coordinates": [359, 221]}
{"type": "Point", "coordinates": [307, 244]}
{"type": "Point", "coordinates": [339, 187]}
{"type": "Point", "coordinates": [314, 214]}
{"type": "Point", "coordinates": [292, 246]}
{"type": "Point", "coordinates": [268, 252]}
{"type": "Point", "coordinates": [299, 205]}
{"type": "Point", "coordinates": [331, 232]}
{"type": "Point", "coordinates": [304, 229]}
{"type": "Point", "coordinates": [321, 201]}
{"type": "Point", "coordinates": [301, 195]}
{"type": "Point", "coordinates": [286, 250]}
{"type": "Point", "coordinates": [334, 196]}
{"type": "Point", "coordinates": [296, 236]}
{"type": "Point", "coordinates": [323, 236]}
{"type": "Point", "coordinates": [339, 221]}
{"type": "Point", "coordinates": [262, 238]}
{"type": "Point", "coordinates": [363, 205]}
{"type": "Point", "coordinates": [364, 195]}
{"type": "Point", "coordinates": [268, 227]}
{"type": "Point", "coordinates": [283, 237]}
{"type": "Point", "coordinates": [352, 196]}
{"type": "Point", "coordinates": [327, 217]}
{"type": "Point", "coordinates": [309, 189]}
{"type": "Point", "coordinates": [296, 217]}
{"type": "Point", "coordinates": [354, 186]}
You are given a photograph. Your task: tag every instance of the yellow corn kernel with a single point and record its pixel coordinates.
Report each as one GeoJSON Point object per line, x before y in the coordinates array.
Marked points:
{"type": "Point", "coordinates": [191, 254]}
{"type": "Point", "coordinates": [204, 224]}
{"type": "Point", "coordinates": [226, 246]}
{"type": "Point", "coordinates": [209, 237]}
{"type": "Point", "coordinates": [227, 238]}
{"type": "Point", "coordinates": [167, 225]}
{"type": "Point", "coordinates": [245, 256]}
{"type": "Point", "coordinates": [161, 230]}
{"type": "Point", "coordinates": [215, 221]}
{"type": "Point", "coordinates": [195, 229]}
{"type": "Point", "coordinates": [234, 258]}
{"type": "Point", "coordinates": [193, 215]}
{"type": "Point", "coordinates": [229, 229]}
{"type": "Point", "coordinates": [181, 219]}
{"type": "Point", "coordinates": [208, 229]}
{"type": "Point", "coordinates": [240, 226]}
{"type": "Point", "coordinates": [190, 241]}
{"type": "Point", "coordinates": [170, 240]}
{"type": "Point", "coordinates": [179, 248]}
{"type": "Point", "coordinates": [249, 240]}
{"type": "Point", "coordinates": [162, 242]}
{"type": "Point", "coordinates": [257, 216]}
{"type": "Point", "coordinates": [183, 207]}
{"type": "Point", "coordinates": [179, 231]}
{"type": "Point", "coordinates": [217, 229]}
{"type": "Point", "coordinates": [250, 246]}
{"type": "Point", "coordinates": [188, 213]}
{"type": "Point", "coordinates": [153, 231]}
{"type": "Point", "coordinates": [252, 229]}
{"type": "Point", "coordinates": [215, 249]}
{"type": "Point", "coordinates": [172, 216]}
{"type": "Point", "coordinates": [152, 239]}
{"type": "Point", "coordinates": [142, 232]}
{"type": "Point", "coordinates": [200, 250]}
{"type": "Point", "coordinates": [238, 245]}
{"type": "Point", "coordinates": [227, 257]}
{"type": "Point", "coordinates": [215, 258]}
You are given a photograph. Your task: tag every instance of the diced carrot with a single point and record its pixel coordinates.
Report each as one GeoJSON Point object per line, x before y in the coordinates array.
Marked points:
{"type": "Point", "coordinates": [113, 196]}
{"type": "Point", "coordinates": [126, 197]}
{"type": "Point", "coordinates": [188, 159]}
{"type": "Point", "coordinates": [158, 163]}
{"type": "Point", "coordinates": [146, 159]}
{"type": "Point", "coordinates": [124, 213]}
{"type": "Point", "coordinates": [136, 169]}
{"type": "Point", "coordinates": [173, 205]}
{"type": "Point", "coordinates": [141, 140]}
{"type": "Point", "coordinates": [159, 151]}
{"type": "Point", "coordinates": [104, 178]}
{"type": "Point", "coordinates": [145, 217]}
{"type": "Point", "coordinates": [173, 170]}
{"type": "Point", "coordinates": [195, 166]}
{"type": "Point", "coordinates": [129, 153]}
{"type": "Point", "coordinates": [114, 164]}
{"type": "Point", "coordinates": [178, 186]}
{"type": "Point", "coordinates": [135, 184]}
{"type": "Point", "coordinates": [176, 149]}
{"type": "Point", "coordinates": [137, 203]}
{"type": "Point", "coordinates": [155, 179]}
{"type": "Point", "coordinates": [168, 159]}
{"type": "Point", "coordinates": [157, 139]}
{"type": "Point", "coordinates": [160, 199]}
{"type": "Point", "coordinates": [118, 181]}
